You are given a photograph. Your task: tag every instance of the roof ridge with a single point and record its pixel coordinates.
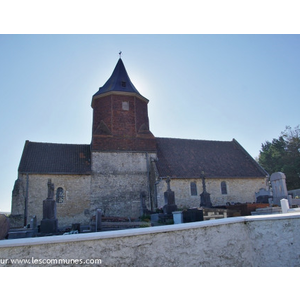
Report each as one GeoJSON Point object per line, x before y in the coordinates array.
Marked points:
{"type": "Point", "coordinates": [51, 143]}
{"type": "Point", "coordinates": [200, 140]}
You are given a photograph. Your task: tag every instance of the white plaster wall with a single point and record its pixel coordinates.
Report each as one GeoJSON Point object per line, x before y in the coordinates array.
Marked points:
{"type": "Point", "coordinates": [252, 241]}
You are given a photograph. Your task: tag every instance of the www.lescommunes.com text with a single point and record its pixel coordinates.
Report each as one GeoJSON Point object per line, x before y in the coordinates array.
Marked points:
{"type": "Point", "coordinates": [50, 261]}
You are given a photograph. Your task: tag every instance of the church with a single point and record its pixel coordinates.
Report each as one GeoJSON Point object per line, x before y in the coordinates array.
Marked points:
{"type": "Point", "coordinates": [125, 166]}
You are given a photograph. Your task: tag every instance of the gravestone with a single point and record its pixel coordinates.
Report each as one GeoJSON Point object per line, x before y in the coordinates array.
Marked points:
{"type": "Point", "coordinates": [192, 215]}
{"type": "Point", "coordinates": [169, 196]}
{"type": "Point", "coordinates": [278, 187]}
{"type": "Point", "coordinates": [49, 221]}
{"type": "Point", "coordinates": [33, 225]}
{"type": "Point", "coordinates": [205, 196]}
{"type": "Point", "coordinates": [262, 196]}
{"type": "Point", "coordinates": [98, 220]}
{"type": "Point", "coordinates": [4, 226]}
{"type": "Point", "coordinates": [75, 227]}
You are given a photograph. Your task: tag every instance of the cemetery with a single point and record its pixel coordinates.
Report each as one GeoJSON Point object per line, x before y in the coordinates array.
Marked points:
{"type": "Point", "coordinates": [248, 234]}
{"type": "Point", "coordinates": [268, 202]}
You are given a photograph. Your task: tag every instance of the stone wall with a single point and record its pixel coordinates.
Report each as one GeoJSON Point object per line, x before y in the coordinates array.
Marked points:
{"type": "Point", "coordinates": [238, 190]}
{"type": "Point", "coordinates": [118, 179]}
{"type": "Point", "coordinates": [252, 241]}
{"type": "Point", "coordinates": [72, 208]}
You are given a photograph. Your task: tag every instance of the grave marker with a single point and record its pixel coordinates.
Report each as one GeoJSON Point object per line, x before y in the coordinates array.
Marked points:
{"type": "Point", "coordinates": [49, 222]}
{"type": "Point", "coordinates": [4, 226]}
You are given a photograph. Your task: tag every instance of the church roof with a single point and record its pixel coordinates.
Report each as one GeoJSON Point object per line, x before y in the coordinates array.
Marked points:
{"type": "Point", "coordinates": [177, 158]}
{"type": "Point", "coordinates": [119, 81]}
{"type": "Point", "coordinates": [183, 158]}
{"type": "Point", "coordinates": [49, 158]}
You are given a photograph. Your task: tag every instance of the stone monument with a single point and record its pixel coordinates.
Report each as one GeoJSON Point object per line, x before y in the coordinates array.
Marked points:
{"type": "Point", "coordinates": [4, 226]}
{"type": "Point", "coordinates": [98, 219]}
{"type": "Point", "coordinates": [263, 196]}
{"type": "Point", "coordinates": [33, 226]}
{"type": "Point", "coordinates": [49, 222]}
{"type": "Point", "coordinates": [279, 188]}
{"type": "Point", "coordinates": [169, 196]}
{"type": "Point", "coordinates": [205, 196]}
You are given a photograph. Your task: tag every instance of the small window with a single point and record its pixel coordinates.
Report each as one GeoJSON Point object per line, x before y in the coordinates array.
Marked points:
{"type": "Point", "coordinates": [223, 188]}
{"type": "Point", "coordinates": [123, 83]}
{"type": "Point", "coordinates": [193, 189]}
{"type": "Point", "coordinates": [125, 105]}
{"type": "Point", "coordinates": [60, 195]}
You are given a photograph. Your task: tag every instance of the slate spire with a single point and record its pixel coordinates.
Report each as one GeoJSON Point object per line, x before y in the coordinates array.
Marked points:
{"type": "Point", "coordinates": [119, 81]}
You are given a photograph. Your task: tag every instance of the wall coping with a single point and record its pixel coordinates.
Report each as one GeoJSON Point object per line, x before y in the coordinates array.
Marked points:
{"type": "Point", "coordinates": [23, 242]}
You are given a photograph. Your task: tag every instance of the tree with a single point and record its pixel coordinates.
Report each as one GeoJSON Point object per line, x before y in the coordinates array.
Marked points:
{"type": "Point", "coordinates": [283, 155]}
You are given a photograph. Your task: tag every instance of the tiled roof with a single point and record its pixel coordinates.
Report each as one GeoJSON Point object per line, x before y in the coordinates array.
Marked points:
{"type": "Point", "coordinates": [119, 81]}
{"type": "Point", "coordinates": [177, 158]}
{"type": "Point", "coordinates": [181, 158]}
{"type": "Point", "coordinates": [48, 158]}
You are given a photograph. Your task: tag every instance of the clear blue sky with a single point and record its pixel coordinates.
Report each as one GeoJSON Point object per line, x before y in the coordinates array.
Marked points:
{"type": "Point", "coordinates": [212, 87]}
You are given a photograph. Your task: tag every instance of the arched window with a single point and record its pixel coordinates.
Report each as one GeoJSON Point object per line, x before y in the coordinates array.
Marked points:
{"type": "Point", "coordinates": [223, 188]}
{"type": "Point", "coordinates": [60, 195]}
{"type": "Point", "coordinates": [193, 189]}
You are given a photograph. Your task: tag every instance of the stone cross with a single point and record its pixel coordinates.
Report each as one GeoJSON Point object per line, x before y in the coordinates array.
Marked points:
{"type": "Point", "coordinates": [49, 221]}
{"type": "Point", "coordinates": [203, 182]}
{"type": "Point", "coordinates": [4, 226]}
{"type": "Point", "coordinates": [50, 189]}
{"type": "Point", "coordinates": [168, 180]}
{"type": "Point", "coordinates": [205, 196]}
{"type": "Point", "coordinates": [169, 196]}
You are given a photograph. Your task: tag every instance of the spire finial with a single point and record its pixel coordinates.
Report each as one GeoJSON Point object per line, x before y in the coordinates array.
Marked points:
{"type": "Point", "coordinates": [120, 53]}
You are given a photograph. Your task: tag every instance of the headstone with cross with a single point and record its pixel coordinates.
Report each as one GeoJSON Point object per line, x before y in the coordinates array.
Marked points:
{"type": "Point", "coordinates": [169, 196]}
{"type": "Point", "coordinates": [4, 226]}
{"type": "Point", "coordinates": [49, 222]}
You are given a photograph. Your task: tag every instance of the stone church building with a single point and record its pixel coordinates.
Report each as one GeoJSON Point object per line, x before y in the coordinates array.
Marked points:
{"type": "Point", "coordinates": [126, 165]}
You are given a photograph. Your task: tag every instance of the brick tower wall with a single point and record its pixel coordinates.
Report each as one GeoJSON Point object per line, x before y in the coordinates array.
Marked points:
{"type": "Point", "coordinates": [120, 123]}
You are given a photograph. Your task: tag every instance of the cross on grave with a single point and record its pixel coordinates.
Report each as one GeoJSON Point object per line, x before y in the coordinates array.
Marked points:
{"type": "Point", "coordinates": [205, 196]}
{"type": "Point", "coordinates": [168, 180]}
{"type": "Point", "coordinates": [4, 226]}
{"type": "Point", "coordinates": [50, 189]}
{"type": "Point", "coordinates": [49, 222]}
{"type": "Point", "coordinates": [169, 196]}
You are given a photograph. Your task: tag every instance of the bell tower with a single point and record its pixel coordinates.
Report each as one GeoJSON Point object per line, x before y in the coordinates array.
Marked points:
{"type": "Point", "coordinates": [120, 116]}
{"type": "Point", "coordinates": [121, 148]}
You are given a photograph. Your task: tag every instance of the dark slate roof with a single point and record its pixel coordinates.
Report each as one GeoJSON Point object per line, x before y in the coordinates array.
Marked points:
{"type": "Point", "coordinates": [48, 158]}
{"type": "Point", "coordinates": [181, 158]}
{"type": "Point", "coordinates": [118, 81]}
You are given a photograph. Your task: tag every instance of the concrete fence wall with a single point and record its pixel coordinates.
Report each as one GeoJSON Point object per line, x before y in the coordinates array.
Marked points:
{"type": "Point", "coordinates": [257, 241]}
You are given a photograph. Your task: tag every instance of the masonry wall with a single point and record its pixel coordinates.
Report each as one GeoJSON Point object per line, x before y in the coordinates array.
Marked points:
{"type": "Point", "coordinates": [252, 241]}
{"type": "Point", "coordinates": [118, 179]}
{"type": "Point", "coordinates": [73, 208]}
{"type": "Point", "coordinates": [121, 129]}
{"type": "Point", "coordinates": [238, 190]}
